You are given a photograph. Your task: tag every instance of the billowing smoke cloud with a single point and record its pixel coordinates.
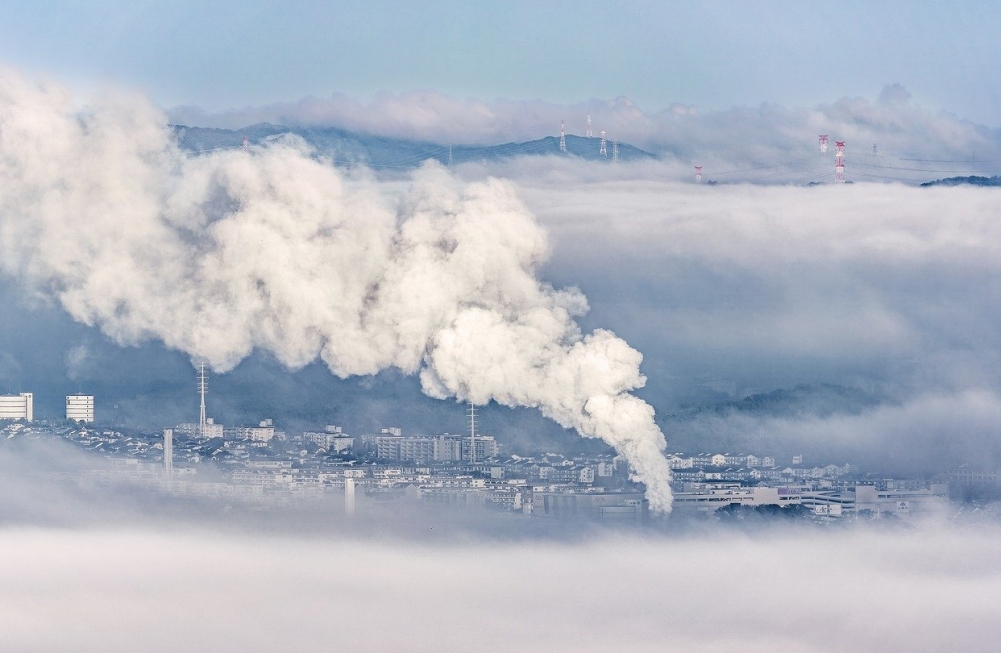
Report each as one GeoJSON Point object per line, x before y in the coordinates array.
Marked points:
{"type": "Point", "coordinates": [227, 253]}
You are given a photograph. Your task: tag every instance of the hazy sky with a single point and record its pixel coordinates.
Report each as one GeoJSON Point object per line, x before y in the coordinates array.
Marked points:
{"type": "Point", "coordinates": [711, 54]}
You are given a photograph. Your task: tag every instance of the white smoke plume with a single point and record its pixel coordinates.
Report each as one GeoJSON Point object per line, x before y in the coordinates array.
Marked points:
{"type": "Point", "coordinates": [226, 253]}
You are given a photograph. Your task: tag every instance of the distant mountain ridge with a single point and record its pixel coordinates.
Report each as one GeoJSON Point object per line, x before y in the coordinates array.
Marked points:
{"type": "Point", "coordinates": [965, 181]}
{"type": "Point", "coordinates": [354, 148]}
{"type": "Point", "coordinates": [742, 424]}
{"type": "Point", "coordinates": [816, 400]}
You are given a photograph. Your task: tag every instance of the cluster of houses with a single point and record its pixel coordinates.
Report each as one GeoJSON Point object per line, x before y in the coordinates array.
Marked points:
{"type": "Point", "coordinates": [749, 468]}
{"type": "Point", "coordinates": [263, 465]}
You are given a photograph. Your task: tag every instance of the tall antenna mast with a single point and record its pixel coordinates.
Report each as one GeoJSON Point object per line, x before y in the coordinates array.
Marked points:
{"type": "Point", "coordinates": [589, 132]}
{"type": "Point", "coordinates": [449, 156]}
{"type": "Point", "coordinates": [203, 387]}
{"type": "Point", "coordinates": [246, 144]}
{"type": "Point", "coordinates": [615, 151]}
{"type": "Point", "coordinates": [563, 136]}
{"type": "Point", "coordinates": [471, 413]}
{"type": "Point", "coordinates": [698, 174]}
{"type": "Point", "coordinates": [603, 151]}
{"type": "Point", "coordinates": [839, 162]}
{"type": "Point", "coordinates": [823, 143]}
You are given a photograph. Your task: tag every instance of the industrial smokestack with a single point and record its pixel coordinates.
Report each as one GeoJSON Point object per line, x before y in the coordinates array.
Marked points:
{"type": "Point", "coordinates": [168, 453]}
{"type": "Point", "coordinates": [349, 497]}
{"type": "Point", "coordinates": [221, 254]}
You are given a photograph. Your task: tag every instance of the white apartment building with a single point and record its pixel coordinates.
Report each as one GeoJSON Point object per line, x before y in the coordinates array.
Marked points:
{"type": "Point", "coordinates": [192, 430]}
{"type": "Point", "coordinates": [439, 448]}
{"type": "Point", "coordinates": [263, 432]}
{"type": "Point", "coordinates": [19, 406]}
{"type": "Point", "coordinates": [212, 430]}
{"type": "Point", "coordinates": [334, 442]}
{"type": "Point", "coordinates": [80, 408]}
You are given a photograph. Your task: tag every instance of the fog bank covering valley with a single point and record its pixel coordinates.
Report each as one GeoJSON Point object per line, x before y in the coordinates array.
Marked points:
{"type": "Point", "coordinates": [123, 589]}
{"type": "Point", "coordinates": [127, 571]}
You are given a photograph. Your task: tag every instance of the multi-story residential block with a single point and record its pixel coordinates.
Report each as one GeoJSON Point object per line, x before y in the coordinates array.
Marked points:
{"type": "Point", "coordinates": [438, 448]}
{"type": "Point", "coordinates": [333, 442]}
{"type": "Point", "coordinates": [20, 406]}
{"type": "Point", "coordinates": [80, 408]}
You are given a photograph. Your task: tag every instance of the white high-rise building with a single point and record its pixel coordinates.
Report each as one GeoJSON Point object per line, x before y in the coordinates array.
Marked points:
{"type": "Point", "coordinates": [80, 408]}
{"type": "Point", "coordinates": [17, 406]}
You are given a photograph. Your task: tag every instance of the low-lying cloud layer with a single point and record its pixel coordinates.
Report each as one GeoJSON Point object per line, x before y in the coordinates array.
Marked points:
{"type": "Point", "coordinates": [890, 289]}
{"type": "Point", "coordinates": [887, 138]}
{"type": "Point", "coordinates": [122, 590]}
{"type": "Point", "coordinates": [887, 280]}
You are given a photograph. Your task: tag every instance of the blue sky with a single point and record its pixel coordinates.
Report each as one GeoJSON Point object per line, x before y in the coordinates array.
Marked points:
{"type": "Point", "coordinates": [711, 54]}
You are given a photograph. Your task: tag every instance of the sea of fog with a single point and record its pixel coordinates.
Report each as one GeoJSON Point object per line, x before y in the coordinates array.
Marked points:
{"type": "Point", "coordinates": [109, 589]}
{"type": "Point", "coordinates": [110, 567]}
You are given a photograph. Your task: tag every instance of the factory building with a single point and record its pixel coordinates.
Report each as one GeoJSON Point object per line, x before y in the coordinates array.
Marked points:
{"type": "Point", "coordinates": [20, 406]}
{"type": "Point", "coordinates": [899, 498]}
{"type": "Point", "coordinates": [80, 408]}
{"type": "Point", "coordinates": [618, 506]}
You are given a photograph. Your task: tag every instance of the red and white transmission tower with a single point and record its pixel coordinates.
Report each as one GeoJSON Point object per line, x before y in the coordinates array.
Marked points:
{"type": "Point", "coordinates": [698, 174]}
{"type": "Point", "coordinates": [823, 143]}
{"type": "Point", "coordinates": [603, 151]}
{"type": "Point", "coordinates": [839, 162]}
{"type": "Point", "coordinates": [563, 136]}
{"type": "Point", "coordinates": [615, 151]}
{"type": "Point", "coordinates": [246, 144]}
{"type": "Point", "coordinates": [589, 132]}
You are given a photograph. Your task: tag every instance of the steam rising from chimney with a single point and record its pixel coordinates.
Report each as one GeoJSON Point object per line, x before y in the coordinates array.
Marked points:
{"type": "Point", "coordinates": [219, 254]}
